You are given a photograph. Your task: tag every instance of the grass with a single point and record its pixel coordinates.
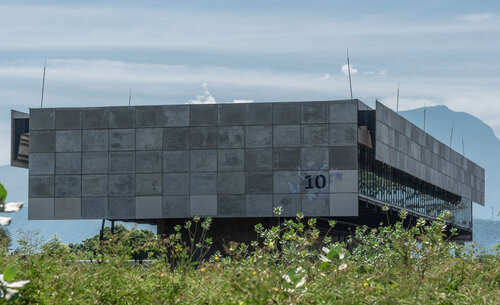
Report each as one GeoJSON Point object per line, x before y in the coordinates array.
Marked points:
{"type": "Point", "coordinates": [288, 264]}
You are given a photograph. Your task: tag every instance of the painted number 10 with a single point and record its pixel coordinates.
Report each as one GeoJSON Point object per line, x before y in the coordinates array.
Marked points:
{"type": "Point", "coordinates": [319, 182]}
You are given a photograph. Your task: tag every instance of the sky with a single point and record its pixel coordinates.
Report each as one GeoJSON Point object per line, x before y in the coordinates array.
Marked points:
{"type": "Point", "coordinates": [176, 52]}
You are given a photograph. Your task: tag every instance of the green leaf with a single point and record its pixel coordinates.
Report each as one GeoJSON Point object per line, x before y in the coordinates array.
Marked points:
{"type": "Point", "coordinates": [325, 265]}
{"type": "Point", "coordinates": [3, 194]}
{"type": "Point", "coordinates": [9, 274]}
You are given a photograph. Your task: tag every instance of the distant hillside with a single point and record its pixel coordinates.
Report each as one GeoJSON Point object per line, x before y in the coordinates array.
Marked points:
{"type": "Point", "coordinates": [481, 146]}
{"type": "Point", "coordinates": [486, 233]}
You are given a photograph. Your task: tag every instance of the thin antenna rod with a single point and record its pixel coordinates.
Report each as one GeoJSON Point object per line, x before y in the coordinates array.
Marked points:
{"type": "Point", "coordinates": [349, 71]}
{"type": "Point", "coordinates": [463, 146]}
{"type": "Point", "coordinates": [451, 136]}
{"type": "Point", "coordinates": [397, 102]}
{"type": "Point", "coordinates": [43, 82]}
{"type": "Point", "coordinates": [130, 96]}
{"type": "Point", "coordinates": [424, 114]}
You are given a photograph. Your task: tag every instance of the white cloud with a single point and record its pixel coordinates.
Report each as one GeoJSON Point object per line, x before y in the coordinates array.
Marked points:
{"type": "Point", "coordinates": [380, 72]}
{"type": "Point", "coordinates": [241, 101]}
{"type": "Point", "coordinates": [345, 69]}
{"type": "Point", "coordinates": [325, 76]}
{"type": "Point", "coordinates": [475, 17]}
{"type": "Point", "coordinates": [205, 98]}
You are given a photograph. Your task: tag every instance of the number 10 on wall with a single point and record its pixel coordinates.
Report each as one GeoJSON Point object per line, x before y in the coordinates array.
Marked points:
{"type": "Point", "coordinates": [312, 182]}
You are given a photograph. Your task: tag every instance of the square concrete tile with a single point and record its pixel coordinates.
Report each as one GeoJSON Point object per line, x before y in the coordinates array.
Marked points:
{"type": "Point", "coordinates": [231, 205]}
{"type": "Point", "coordinates": [259, 113]}
{"type": "Point", "coordinates": [343, 181]}
{"type": "Point", "coordinates": [176, 161]}
{"type": "Point", "coordinates": [121, 139]}
{"type": "Point", "coordinates": [69, 118]}
{"type": "Point", "coordinates": [259, 205]}
{"type": "Point", "coordinates": [40, 208]}
{"type": "Point", "coordinates": [231, 137]}
{"type": "Point", "coordinates": [316, 181]}
{"type": "Point", "coordinates": [149, 116]}
{"type": "Point", "coordinates": [122, 185]}
{"type": "Point", "coordinates": [148, 184]}
{"type": "Point", "coordinates": [291, 204]}
{"type": "Point", "coordinates": [95, 185]}
{"type": "Point", "coordinates": [68, 140]}
{"type": "Point", "coordinates": [286, 158]}
{"type": "Point", "coordinates": [315, 135]}
{"type": "Point", "coordinates": [344, 157]}
{"type": "Point", "coordinates": [95, 163]}
{"type": "Point", "coordinates": [344, 111]}
{"type": "Point", "coordinates": [315, 158]}
{"type": "Point", "coordinates": [122, 162]}
{"type": "Point", "coordinates": [231, 183]}
{"type": "Point", "coordinates": [95, 118]}
{"type": "Point", "coordinates": [69, 163]}
{"type": "Point", "coordinates": [42, 119]}
{"type": "Point", "coordinates": [203, 160]}
{"type": "Point", "coordinates": [68, 208]}
{"type": "Point", "coordinates": [259, 136]}
{"type": "Point", "coordinates": [316, 204]}
{"type": "Point", "coordinates": [148, 207]}
{"type": "Point", "coordinates": [260, 182]}
{"type": "Point", "coordinates": [286, 136]}
{"type": "Point", "coordinates": [202, 137]}
{"type": "Point", "coordinates": [203, 205]}
{"type": "Point", "coordinates": [287, 113]}
{"type": "Point", "coordinates": [343, 134]}
{"type": "Point", "coordinates": [41, 186]}
{"type": "Point", "coordinates": [41, 163]}
{"type": "Point", "coordinates": [176, 184]}
{"type": "Point", "coordinates": [287, 182]}
{"type": "Point", "coordinates": [95, 140]}
{"type": "Point", "coordinates": [68, 186]}
{"type": "Point", "coordinates": [344, 204]}
{"type": "Point", "coordinates": [314, 112]}
{"type": "Point", "coordinates": [42, 141]}
{"type": "Point", "coordinates": [149, 138]}
{"type": "Point", "coordinates": [121, 117]}
{"type": "Point", "coordinates": [259, 159]}
{"type": "Point", "coordinates": [148, 161]}
{"type": "Point", "coordinates": [175, 206]}
{"type": "Point", "coordinates": [203, 115]}
{"type": "Point", "coordinates": [175, 138]}
{"type": "Point", "coordinates": [175, 115]}
{"type": "Point", "coordinates": [232, 114]}
{"type": "Point", "coordinates": [203, 183]}
{"type": "Point", "coordinates": [121, 207]}
{"type": "Point", "coordinates": [94, 207]}
{"type": "Point", "coordinates": [231, 159]}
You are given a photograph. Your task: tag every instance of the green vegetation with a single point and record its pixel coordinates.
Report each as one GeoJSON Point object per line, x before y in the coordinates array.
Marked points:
{"type": "Point", "coordinates": [287, 264]}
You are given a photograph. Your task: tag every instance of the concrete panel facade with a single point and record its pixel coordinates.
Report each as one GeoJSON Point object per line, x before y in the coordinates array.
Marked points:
{"type": "Point", "coordinates": [404, 146]}
{"type": "Point", "coordinates": [178, 161]}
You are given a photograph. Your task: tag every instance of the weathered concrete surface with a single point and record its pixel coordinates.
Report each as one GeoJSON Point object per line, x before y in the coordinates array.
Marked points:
{"type": "Point", "coordinates": [175, 161]}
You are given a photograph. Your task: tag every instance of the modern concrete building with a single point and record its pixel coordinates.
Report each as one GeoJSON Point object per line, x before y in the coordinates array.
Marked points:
{"type": "Point", "coordinates": [331, 159]}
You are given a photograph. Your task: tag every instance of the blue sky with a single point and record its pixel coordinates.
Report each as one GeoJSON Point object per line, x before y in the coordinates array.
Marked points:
{"type": "Point", "coordinates": [169, 52]}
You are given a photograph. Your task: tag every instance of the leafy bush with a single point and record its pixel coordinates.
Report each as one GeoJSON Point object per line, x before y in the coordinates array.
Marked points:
{"type": "Point", "coordinates": [290, 263]}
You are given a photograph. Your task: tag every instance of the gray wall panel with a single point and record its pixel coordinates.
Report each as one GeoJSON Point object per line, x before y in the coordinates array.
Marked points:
{"type": "Point", "coordinates": [443, 166]}
{"type": "Point", "coordinates": [174, 161]}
